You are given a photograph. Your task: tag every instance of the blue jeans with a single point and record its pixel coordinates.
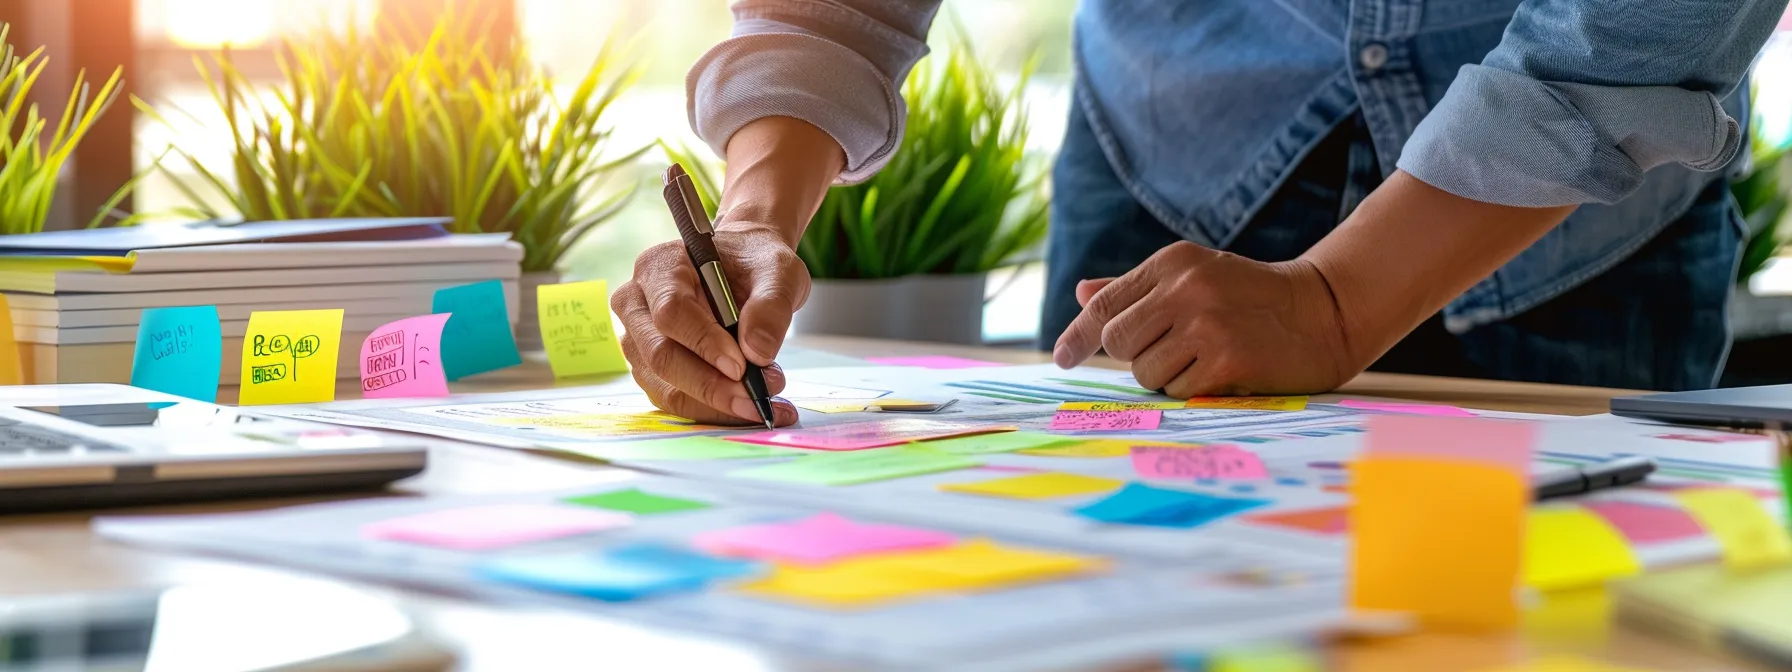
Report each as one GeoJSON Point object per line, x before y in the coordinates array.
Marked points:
{"type": "Point", "coordinates": [1656, 320]}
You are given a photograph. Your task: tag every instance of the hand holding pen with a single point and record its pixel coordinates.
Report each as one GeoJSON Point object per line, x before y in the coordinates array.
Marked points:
{"type": "Point", "coordinates": [688, 332]}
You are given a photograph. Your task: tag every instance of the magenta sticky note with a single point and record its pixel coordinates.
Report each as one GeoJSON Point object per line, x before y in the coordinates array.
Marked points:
{"type": "Point", "coordinates": [823, 537]}
{"type": "Point", "coordinates": [933, 362]}
{"type": "Point", "coordinates": [1215, 461]}
{"type": "Point", "coordinates": [1501, 443]}
{"type": "Point", "coordinates": [481, 528]}
{"type": "Point", "coordinates": [404, 359]}
{"type": "Point", "coordinates": [862, 435]}
{"type": "Point", "coordinates": [1436, 410]}
{"type": "Point", "coordinates": [1647, 523]}
{"type": "Point", "coordinates": [1107, 420]}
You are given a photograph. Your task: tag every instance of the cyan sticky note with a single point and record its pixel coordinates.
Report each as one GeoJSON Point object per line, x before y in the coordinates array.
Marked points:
{"type": "Point", "coordinates": [1138, 504]}
{"type": "Point", "coordinates": [179, 351]}
{"type": "Point", "coordinates": [616, 575]}
{"type": "Point", "coordinates": [477, 338]}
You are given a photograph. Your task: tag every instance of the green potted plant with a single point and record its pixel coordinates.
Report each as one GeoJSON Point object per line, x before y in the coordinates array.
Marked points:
{"type": "Point", "coordinates": [442, 123]}
{"type": "Point", "coordinates": [32, 150]}
{"type": "Point", "coordinates": [907, 253]}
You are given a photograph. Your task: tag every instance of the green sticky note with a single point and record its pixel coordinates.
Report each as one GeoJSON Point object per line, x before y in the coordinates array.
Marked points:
{"type": "Point", "coordinates": [680, 448]}
{"type": "Point", "coordinates": [998, 442]}
{"type": "Point", "coordinates": [477, 338]}
{"type": "Point", "coordinates": [633, 500]}
{"type": "Point", "coordinates": [861, 466]}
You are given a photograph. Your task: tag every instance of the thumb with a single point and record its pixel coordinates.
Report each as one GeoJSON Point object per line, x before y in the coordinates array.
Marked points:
{"type": "Point", "coordinates": [1086, 289]}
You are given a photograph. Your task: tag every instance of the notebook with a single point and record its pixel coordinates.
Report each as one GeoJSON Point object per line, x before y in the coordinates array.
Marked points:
{"type": "Point", "coordinates": [120, 241]}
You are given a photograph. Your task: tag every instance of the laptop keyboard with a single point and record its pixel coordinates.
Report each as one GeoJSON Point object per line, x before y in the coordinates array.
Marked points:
{"type": "Point", "coordinates": [19, 440]}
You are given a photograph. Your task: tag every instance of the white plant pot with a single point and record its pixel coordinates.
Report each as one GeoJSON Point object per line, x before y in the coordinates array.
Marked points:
{"type": "Point", "coordinates": [528, 320]}
{"type": "Point", "coordinates": [935, 308]}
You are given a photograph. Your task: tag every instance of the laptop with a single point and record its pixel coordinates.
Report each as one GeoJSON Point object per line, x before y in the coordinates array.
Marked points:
{"type": "Point", "coordinates": [1766, 407]}
{"type": "Point", "coordinates": [82, 446]}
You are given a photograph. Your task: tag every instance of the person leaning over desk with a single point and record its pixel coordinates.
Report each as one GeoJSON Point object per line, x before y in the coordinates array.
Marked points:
{"type": "Point", "coordinates": [1259, 196]}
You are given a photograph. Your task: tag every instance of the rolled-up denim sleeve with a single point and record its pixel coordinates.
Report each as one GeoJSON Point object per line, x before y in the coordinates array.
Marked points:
{"type": "Point", "coordinates": [837, 64]}
{"type": "Point", "coordinates": [1581, 97]}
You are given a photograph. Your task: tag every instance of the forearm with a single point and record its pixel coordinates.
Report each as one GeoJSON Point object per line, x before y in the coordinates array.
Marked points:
{"type": "Point", "coordinates": [1409, 249]}
{"type": "Point", "coordinates": [779, 169]}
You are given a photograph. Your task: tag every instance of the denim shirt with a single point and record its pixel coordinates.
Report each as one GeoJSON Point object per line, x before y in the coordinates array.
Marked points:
{"type": "Point", "coordinates": [1203, 107]}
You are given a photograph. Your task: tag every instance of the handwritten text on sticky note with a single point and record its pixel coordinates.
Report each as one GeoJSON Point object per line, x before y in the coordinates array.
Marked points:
{"type": "Point", "coordinates": [179, 351]}
{"type": "Point", "coordinates": [576, 329]}
{"type": "Point", "coordinates": [477, 338]}
{"type": "Point", "coordinates": [289, 356]}
{"type": "Point", "coordinates": [1248, 403]}
{"type": "Point", "coordinates": [1106, 420]}
{"type": "Point", "coordinates": [1214, 461]}
{"type": "Point", "coordinates": [1120, 405]}
{"type": "Point", "coordinates": [404, 359]}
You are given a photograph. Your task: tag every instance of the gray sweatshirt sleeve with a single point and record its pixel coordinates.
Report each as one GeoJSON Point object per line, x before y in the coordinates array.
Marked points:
{"type": "Point", "coordinates": [837, 64]}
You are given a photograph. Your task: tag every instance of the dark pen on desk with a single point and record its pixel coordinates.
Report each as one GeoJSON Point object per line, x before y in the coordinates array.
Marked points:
{"type": "Point", "coordinates": [698, 234]}
{"type": "Point", "coordinates": [1579, 480]}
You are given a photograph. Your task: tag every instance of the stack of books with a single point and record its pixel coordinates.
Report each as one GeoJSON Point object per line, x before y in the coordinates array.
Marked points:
{"type": "Point", "coordinates": [77, 296]}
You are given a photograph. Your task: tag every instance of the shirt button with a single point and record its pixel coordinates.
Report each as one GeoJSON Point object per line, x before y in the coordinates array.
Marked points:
{"type": "Point", "coordinates": [1373, 56]}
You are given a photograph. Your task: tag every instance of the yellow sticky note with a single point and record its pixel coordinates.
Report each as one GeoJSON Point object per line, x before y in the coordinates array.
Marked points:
{"type": "Point", "coordinates": [1572, 547]}
{"type": "Point", "coordinates": [1248, 403]}
{"type": "Point", "coordinates": [982, 564]}
{"type": "Point", "coordinates": [1268, 659]}
{"type": "Point", "coordinates": [1750, 537]}
{"type": "Point", "coordinates": [1037, 486]}
{"type": "Point", "coordinates": [289, 357]}
{"type": "Point", "coordinates": [12, 369]}
{"type": "Point", "coordinates": [576, 329]}
{"type": "Point", "coordinates": [1099, 448]}
{"type": "Point", "coordinates": [1439, 539]}
{"type": "Point", "coordinates": [1121, 405]}
{"type": "Point", "coordinates": [848, 584]}
{"type": "Point", "coordinates": [1563, 662]}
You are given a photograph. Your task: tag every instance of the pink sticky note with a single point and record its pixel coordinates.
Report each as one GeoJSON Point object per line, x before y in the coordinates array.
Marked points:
{"type": "Point", "coordinates": [862, 435]}
{"type": "Point", "coordinates": [1647, 523]}
{"type": "Point", "coordinates": [481, 528]}
{"type": "Point", "coordinates": [1107, 420]}
{"type": "Point", "coordinates": [1409, 409]}
{"type": "Point", "coordinates": [820, 538]}
{"type": "Point", "coordinates": [1215, 461]}
{"type": "Point", "coordinates": [404, 359]}
{"type": "Point", "coordinates": [1501, 443]}
{"type": "Point", "coordinates": [933, 362]}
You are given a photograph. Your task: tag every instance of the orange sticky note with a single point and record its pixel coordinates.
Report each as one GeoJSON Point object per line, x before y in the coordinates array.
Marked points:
{"type": "Point", "coordinates": [1439, 539]}
{"type": "Point", "coordinates": [11, 368]}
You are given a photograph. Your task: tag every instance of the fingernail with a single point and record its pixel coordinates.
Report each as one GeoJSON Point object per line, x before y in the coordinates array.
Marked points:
{"type": "Point", "coordinates": [729, 367]}
{"type": "Point", "coordinates": [1061, 357]}
{"type": "Point", "coordinates": [744, 408]}
{"type": "Point", "coordinates": [763, 343]}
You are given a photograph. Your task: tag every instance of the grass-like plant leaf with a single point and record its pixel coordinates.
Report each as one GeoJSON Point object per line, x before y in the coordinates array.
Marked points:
{"type": "Point", "coordinates": [405, 121]}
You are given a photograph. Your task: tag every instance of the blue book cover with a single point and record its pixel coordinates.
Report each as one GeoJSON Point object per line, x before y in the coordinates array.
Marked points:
{"type": "Point", "coordinates": [120, 241]}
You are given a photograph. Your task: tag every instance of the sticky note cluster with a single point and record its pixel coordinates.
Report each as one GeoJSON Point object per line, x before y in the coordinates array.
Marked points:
{"type": "Point", "coordinates": [1438, 518]}
{"type": "Point", "coordinates": [971, 565]}
{"type": "Point", "coordinates": [1212, 461]}
{"type": "Point", "coordinates": [577, 331]}
{"type": "Point", "coordinates": [1139, 504]}
{"type": "Point", "coordinates": [617, 574]}
{"type": "Point", "coordinates": [1107, 421]}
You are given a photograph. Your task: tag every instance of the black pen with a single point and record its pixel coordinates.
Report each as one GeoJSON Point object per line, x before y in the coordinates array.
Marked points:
{"type": "Point", "coordinates": [695, 228]}
{"type": "Point", "coordinates": [1577, 480]}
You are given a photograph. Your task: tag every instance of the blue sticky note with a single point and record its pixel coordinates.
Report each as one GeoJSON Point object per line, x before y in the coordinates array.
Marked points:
{"type": "Point", "coordinates": [179, 351]}
{"type": "Point", "coordinates": [618, 575]}
{"type": "Point", "coordinates": [477, 338]}
{"type": "Point", "coordinates": [1138, 504]}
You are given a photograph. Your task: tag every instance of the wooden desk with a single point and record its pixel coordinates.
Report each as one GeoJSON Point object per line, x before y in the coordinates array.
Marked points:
{"type": "Point", "coordinates": [57, 552]}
